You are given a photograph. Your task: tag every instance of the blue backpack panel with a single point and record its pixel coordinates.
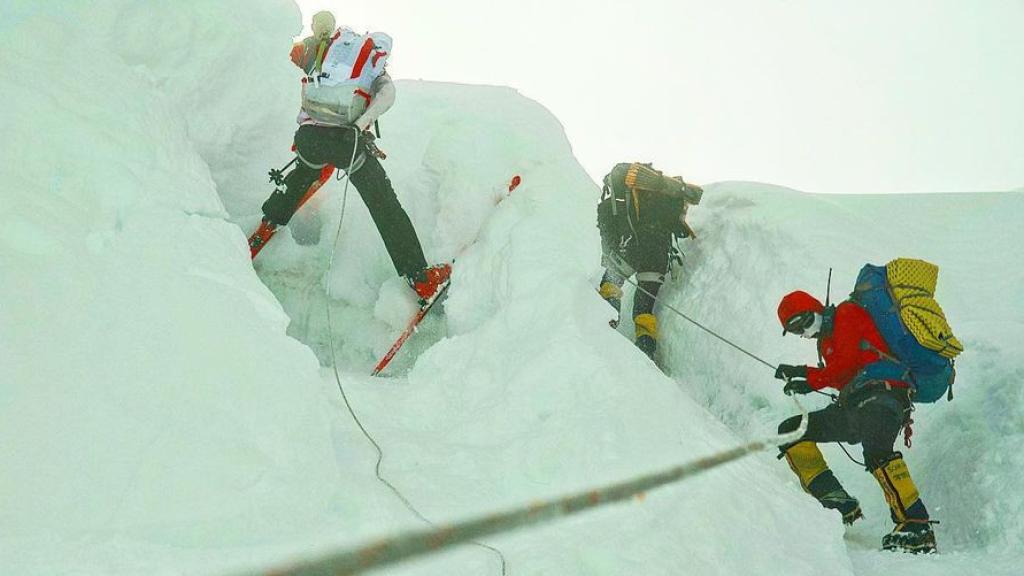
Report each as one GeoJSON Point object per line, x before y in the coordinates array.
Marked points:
{"type": "Point", "coordinates": [929, 373]}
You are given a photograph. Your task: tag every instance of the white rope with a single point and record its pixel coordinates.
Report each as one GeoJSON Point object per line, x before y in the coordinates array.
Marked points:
{"type": "Point", "coordinates": [337, 376]}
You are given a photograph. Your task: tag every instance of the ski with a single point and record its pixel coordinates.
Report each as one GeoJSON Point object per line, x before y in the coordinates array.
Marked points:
{"type": "Point", "coordinates": [425, 307]}
{"type": "Point", "coordinates": [409, 329]}
{"type": "Point", "coordinates": [266, 230]}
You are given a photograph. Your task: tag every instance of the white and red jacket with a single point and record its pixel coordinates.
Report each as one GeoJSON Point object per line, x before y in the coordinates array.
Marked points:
{"type": "Point", "coordinates": [346, 82]}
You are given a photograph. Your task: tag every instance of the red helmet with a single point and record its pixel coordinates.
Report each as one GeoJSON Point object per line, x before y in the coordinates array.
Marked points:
{"type": "Point", "coordinates": [795, 303]}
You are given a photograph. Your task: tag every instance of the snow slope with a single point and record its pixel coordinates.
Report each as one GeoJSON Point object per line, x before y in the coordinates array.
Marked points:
{"type": "Point", "coordinates": [529, 395]}
{"type": "Point", "coordinates": [163, 422]}
{"type": "Point", "coordinates": [151, 403]}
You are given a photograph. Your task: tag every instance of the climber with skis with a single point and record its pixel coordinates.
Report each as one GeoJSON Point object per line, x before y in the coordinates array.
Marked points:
{"type": "Point", "coordinates": [345, 89]}
{"type": "Point", "coordinates": [876, 383]}
{"type": "Point", "coordinates": [641, 216]}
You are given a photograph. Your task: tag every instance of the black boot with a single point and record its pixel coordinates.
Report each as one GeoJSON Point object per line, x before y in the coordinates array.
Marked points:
{"type": "Point", "coordinates": [911, 536]}
{"type": "Point", "coordinates": [845, 504]}
{"type": "Point", "coordinates": [817, 480]}
{"type": "Point", "coordinates": [648, 345]}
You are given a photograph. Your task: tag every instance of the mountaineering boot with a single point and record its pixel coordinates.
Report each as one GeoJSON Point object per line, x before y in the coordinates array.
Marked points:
{"type": "Point", "coordinates": [429, 281]}
{"type": "Point", "coordinates": [647, 345]}
{"type": "Point", "coordinates": [646, 333]}
{"type": "Point", "coordinates": [912, 536]}
{"type": "Point", "coordinates": [817, 479]}
{"type": "Point", "coordinates": [913, 531]}
{"type": "Point", "coordinates": [845, 504]}
{"type": "Point", "coordinates": [613, 295]}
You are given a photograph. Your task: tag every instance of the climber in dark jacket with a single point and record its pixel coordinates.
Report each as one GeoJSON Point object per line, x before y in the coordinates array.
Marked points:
{"type": "Point", "coordinates": [640, 215]}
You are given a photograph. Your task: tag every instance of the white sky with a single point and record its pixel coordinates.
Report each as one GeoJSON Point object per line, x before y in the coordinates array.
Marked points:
{"type": "Point", "coordinates": [819, 95]}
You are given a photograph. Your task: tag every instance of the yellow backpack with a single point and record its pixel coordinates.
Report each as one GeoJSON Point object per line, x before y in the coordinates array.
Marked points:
{"type": "Point", "coordinates": [913, 291]}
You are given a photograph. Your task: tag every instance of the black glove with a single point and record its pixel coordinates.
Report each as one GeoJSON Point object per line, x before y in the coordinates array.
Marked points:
{"type": "Point", "coordinates": [798, 386]}
{"type": "Point", "coordinates": [787, 372]}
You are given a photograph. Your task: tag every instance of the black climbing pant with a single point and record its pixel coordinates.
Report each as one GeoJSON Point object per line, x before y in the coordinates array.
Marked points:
{"type": "Point", "coordinates": [318, 145]}
{"type": "Point", "coordinates": [871, 418]}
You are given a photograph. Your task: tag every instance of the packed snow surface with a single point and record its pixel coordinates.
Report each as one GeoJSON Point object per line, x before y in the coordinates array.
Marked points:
{"type": "Point", "coordinates": [165, 412]}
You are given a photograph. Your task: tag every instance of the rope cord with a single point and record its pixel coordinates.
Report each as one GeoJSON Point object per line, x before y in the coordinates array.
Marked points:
{"type": "Point", "coordinates": [701, 326]}
{"type": "Point", "coordinates": [729, 342]}
{"type": "Point", "coordinates": [417, 543]}
{"type": "Point", "coordinates": [341, 388]}
{"type": "Point", "coordinates": [713, 333]}
{"type": "Point", "coordinates": [850, 456]}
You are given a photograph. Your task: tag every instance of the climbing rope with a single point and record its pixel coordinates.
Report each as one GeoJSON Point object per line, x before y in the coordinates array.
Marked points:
{"type": "Point", "coordinates": [417, 543]}
{"type": "Point", "coordinates": [723, 339]}
{"type": "Point", "coordinates": [715, 334]}
{"type": "Point", "coordinates": [702, 327]}
{"type": "Point", "coordinates": [341, 388]}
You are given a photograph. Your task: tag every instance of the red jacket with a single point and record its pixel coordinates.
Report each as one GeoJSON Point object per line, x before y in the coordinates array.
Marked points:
{"type": "Point", "coordinates": [842, 351]}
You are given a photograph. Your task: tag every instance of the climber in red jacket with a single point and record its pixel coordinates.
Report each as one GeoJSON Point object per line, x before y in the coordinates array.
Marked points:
{"type": "Point", "coordinates": [868, 411]}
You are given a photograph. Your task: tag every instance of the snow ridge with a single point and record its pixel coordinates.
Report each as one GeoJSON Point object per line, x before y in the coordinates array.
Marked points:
{"type": "Point", "coordinates": [165, 422]}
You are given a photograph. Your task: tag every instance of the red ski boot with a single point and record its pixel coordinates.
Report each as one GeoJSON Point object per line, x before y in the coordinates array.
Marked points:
{"type": "Point", "coordinates": [429, 281]}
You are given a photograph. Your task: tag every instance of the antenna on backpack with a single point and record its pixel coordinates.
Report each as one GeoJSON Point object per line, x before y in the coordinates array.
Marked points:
{"type": "Point", "coordinates": [828, 289]}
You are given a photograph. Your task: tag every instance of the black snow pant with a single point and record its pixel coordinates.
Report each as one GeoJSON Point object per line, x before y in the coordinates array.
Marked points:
{"type": "Point", "coordinates": [872, 418]}
{"type": "Point", "coordinates": [319, 145]}
{"type": "Point", "coordinates": [645, 254]}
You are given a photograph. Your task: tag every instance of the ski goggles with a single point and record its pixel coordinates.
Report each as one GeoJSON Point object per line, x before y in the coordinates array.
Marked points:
{"type": "Point", "coordinates": [797, 323]}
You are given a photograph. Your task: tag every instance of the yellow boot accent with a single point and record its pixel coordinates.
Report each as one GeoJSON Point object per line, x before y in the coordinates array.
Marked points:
{"type": "Point", "coordinates": [646, 325]}
{"type": "Point", "coordinates": [899, 489]}
{"type": "Point", "coordinates": [806, 460]}
{"type": "Point", "coordinates": [609, 291]}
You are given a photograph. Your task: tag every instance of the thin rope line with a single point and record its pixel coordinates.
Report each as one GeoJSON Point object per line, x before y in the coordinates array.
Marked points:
{"type": "Point", "coordinates": [850, 456]}
{"type": "Point", "coordinates": [723, 339]}
{"type": "Point", "coordinates": [337, 377]}
{"type": "Point", "coordinates": [701, 326]}
{"type": "Point", "coordinates": [710, 331]}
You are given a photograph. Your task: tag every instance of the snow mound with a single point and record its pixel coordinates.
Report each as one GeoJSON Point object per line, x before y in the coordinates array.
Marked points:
{"type": "Point", "coordinates": [151, 404]}
{"type": "Point", "coordinates": [163, 421]}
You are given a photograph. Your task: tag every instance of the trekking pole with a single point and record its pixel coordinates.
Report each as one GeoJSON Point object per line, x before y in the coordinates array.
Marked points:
{"type": "Point", "coordinates": [277, 176]}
